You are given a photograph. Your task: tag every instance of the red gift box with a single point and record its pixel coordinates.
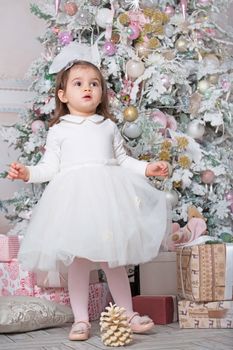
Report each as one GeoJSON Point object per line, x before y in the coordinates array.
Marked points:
{"type": "Point", "coordinates": [9, 247]}
{"type": "Point", "coordinates": [161, 309]}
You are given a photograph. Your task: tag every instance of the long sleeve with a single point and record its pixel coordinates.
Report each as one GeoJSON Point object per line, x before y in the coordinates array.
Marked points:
{"type": "Point", "coordinates": [123, 159]}
{"type": "Point", "coordinates": [49, 164]}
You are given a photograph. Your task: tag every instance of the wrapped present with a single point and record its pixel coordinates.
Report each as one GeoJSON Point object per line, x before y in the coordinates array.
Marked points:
{"type": "Point", "coordinates": [9, 247]}
{"type": "Point", "coordinates": [14, 280]}
{"type": "Point", "coordinates": [55, 279]}
{"type": "Point", "coordinates": [217, 314]}
{"type": "Point", "coordinates": [205, 272]}
{"type": "Point", "coordinates": [99, 297]}
{"type": "Point", "coordinates": [162, 309]}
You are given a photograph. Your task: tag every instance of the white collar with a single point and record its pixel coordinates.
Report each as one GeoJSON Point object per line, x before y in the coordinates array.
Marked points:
{"type": "Point", "coordinates": [95, 118]}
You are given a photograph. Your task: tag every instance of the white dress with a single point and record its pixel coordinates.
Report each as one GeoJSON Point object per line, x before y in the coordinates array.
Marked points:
{"type": "Point", "coordinates": [98, 204]}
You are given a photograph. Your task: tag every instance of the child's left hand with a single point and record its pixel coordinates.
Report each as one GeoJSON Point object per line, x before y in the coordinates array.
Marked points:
{"type": "Point", "coordinates": [157, 169]}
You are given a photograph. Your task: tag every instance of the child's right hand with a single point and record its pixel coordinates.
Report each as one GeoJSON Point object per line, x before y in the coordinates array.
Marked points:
{"type": "Point", "coordinates": [18, 171]}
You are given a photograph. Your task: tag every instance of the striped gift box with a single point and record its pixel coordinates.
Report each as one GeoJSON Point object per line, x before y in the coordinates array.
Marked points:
{"type": "Point", "coordinates": [9, 247]}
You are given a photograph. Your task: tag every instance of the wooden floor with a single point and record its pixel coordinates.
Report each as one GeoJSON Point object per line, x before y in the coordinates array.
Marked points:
{"type": "Point", "coordinates": [169, 337]}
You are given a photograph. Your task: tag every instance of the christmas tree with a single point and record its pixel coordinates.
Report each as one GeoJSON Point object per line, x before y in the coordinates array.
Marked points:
{"type": "Point", "coordinates": [169, 70]}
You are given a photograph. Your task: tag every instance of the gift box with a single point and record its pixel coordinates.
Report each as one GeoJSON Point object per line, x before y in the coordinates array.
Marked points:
{"type": "Point", "coordinates": [99, 297]}
{"type": "Point", "coordinates": [14, 280]}
{"type": "Point", "coordinates": [161, 309]}
{"type": "Point", "coordinates": [217, 314]}
{"type": "Point", "coordinates": [55, 279]}
{"type": "Point", "coordinates": [9, 247]}
{"type": "Point", "coordinates": [205, 272]}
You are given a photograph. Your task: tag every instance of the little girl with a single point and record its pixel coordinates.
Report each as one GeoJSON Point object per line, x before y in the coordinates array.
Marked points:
{"type": "Point", "coordinates": [98, 205]}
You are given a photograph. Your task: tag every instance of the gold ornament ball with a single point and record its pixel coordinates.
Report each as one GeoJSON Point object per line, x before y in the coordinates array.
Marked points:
{"type": "Point", "coordinates": [70, 8]}
{"type": "Point", "coordinates": [130, 113]}
{"type": "Point", "coordinates": [181, 45]}
{"type": "Point", "coordinates": [142, 49]}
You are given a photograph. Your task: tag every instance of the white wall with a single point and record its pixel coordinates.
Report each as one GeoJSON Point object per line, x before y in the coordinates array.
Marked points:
{"type": "Point", "coordinates": [18, 48]}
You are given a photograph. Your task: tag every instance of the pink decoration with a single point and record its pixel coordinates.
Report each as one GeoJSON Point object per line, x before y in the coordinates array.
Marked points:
{"type": "Point", "coordinates": [229, 196]}
{"type": "Point", "coordinates": [169, 10]}
{"type": "Point", "coordinates": [109, 48]}
{"type": "Point", "coordinates": [207, 177]}
{"type": "Point", "coordinates": [160, 118]}
{"type": "Point", "coordinates": [37, 125]}
{"type": "Point", "coordinates": [133, 31]}
{"type": "Point", "coordinates": [65, 38]}
{"type": "Point", "coordinates": [57, 5]}
{"type": "Point", "coordinates": [15, 280]}
{"type": "Point", "coordinates": [171, 122]}
{"type": "Point", "coordinates": [183, 4]}
{"type": "Point", "coordinates": [9, 247]}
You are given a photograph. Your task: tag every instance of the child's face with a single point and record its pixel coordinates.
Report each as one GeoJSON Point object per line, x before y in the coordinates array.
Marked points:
{"type": "Point", "coordinates": [83, 91]}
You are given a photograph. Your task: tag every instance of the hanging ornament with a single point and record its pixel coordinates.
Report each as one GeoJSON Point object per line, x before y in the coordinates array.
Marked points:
{"type": "Point", "coordinates": [132, 130]}
{"type": "Point", "coordinates": [211, 61]}
{"type": "Point", "coordinates": [194, 103]}
{"type": "Point", "coordinates": [172, 197]}
{"type": "Point", "coordinates": [37, 125]}
{"type": "Point", "coordinates": [229, 196]}
{"type": "Point", "coordinates": [109, 48]}
{"type": "Point", "coordinates": [133, 31]}
{"type": "Point", "coordinates": [169, 10]}
{"type": "Point", "coordinates": [195, 129]}
{"type": "Point", "coordinates": [114, 327]}
{"type": "Point", "coordinates": [103, 17]}
{"type": "Point", "coordinates": [65, 38]}
{"type": "Point", "coordinates": [203, 85]}
{"type": "Point", "coordinates": [169, 30]}
{"type": "Point", "coordinates": [207, 177]}
{"type": "Point", "coordinates": [161, 119]}
{"type": "Point", "coordinates": [84, 17]}
{"type": "Point", "coordinates": [130, 113]}
{"type": "Point", "coordinates": [142, 49]}
{"type": "Point", "coordinates": [134, 69]}
{"type": "Point", "coordinates": [166, 81]}
{"type": "Point", "coordinates": [115, 38]}
{"type": "Point", "coordinates": [181, 45]}
{"type": "Point", "coordinates": [70, 8]}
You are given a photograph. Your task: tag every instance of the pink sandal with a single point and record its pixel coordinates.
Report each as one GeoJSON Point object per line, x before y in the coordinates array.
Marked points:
{"type": "Point", "coordinates": [143, 325]}
{"type": "Point", "coordinates": [80, 331]}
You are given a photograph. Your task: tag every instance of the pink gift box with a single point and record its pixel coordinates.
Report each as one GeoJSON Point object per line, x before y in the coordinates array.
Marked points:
{"type": "Point", "coordinates": [14, 280]}
{"type": "Point", "coordinates": [99, 297]}
{"type": "Point", "coordinates": [9, 247]}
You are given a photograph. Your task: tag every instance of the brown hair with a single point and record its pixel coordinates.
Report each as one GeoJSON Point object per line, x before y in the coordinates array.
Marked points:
{"type": "Point", "coordinates": [61, 83]}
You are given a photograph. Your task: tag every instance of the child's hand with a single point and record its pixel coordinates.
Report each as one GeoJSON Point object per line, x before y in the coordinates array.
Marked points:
{"type": "Point", "coordinates": [18, 171]}
{"type": "Point", "coordinates": [157, 169]}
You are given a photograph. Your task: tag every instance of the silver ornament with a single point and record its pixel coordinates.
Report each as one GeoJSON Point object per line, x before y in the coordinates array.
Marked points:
{"type": "Point", "coordinates": [195, 129]}
{"type": "Point", "coordinates": [132, 130]}
{"type": "Point", "coordinates": [172, 197]}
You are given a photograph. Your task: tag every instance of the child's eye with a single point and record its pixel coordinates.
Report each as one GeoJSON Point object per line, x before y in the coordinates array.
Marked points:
{"type": "Point", "coordinates": [77, 83]}
{"type": "Point", "coordinates": [94, 84]}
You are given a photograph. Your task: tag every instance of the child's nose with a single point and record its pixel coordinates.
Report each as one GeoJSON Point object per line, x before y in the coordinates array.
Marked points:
{"type": "Point", "coordinates": [87, 88]}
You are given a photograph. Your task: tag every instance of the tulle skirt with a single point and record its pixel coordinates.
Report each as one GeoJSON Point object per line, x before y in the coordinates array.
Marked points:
{"type": "Point", "coordinates": [99, 212]}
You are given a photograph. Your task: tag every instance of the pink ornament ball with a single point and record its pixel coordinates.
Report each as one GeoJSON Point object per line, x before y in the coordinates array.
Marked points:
{"type": "Point", "coordinates": [207, 177]}
{"type": "Point", "coordinates": [229, 196]}
{"type": "Point", "coordinates": [70, 8]}
{"type": "Point", "coordinates": [169, 10]}
{"type": "Point", "coordinates": [36, 125]}
{"type": "Point", "coordinates": [160, 118]}
{"type": "Point", "coordinates": [65, 38]}
{"type": "Point", "coordinates": [109, 48]}
{"type": "Point", "coordinates": [133, 32]}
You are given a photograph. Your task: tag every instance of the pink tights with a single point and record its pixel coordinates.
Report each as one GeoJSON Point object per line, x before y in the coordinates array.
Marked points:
{"type": "Point", "coordinates": [78, 282]}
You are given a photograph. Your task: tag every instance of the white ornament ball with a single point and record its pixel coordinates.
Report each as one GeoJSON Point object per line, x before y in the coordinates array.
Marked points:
{"type": "Point", "coordinates": [169, 30]}
{"type": "Point", "coordinates": [172, 197]}
{"type": "Point", "coordinates": [195, 129]}
{"type": "Point", "coordinates": [203, 85]}
{"type": "Point", "coordinates": [134, 69]}
{"type": "Point", "coordinates": [36, 125]}
{"type": "Point", "coordinates": [103, 17]}
{"type": "Point", "coordinates": [132, 130]}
